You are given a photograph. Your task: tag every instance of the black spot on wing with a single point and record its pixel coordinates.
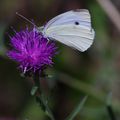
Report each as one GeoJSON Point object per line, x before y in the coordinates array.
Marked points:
{"type": "Point", "coordinates": [76, 23]}
{"type": "Point", "coordinates": [80, 10]}
{"type": "Point", "coordinates": [76, 10]}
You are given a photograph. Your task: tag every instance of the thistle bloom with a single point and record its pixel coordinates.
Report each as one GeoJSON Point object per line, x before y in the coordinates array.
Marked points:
{"type": "Point", "coordinates": [32, 50]}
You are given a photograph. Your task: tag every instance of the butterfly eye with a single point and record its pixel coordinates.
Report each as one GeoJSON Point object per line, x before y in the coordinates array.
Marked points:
{"type": "Point", "coordinates": [76, 23]}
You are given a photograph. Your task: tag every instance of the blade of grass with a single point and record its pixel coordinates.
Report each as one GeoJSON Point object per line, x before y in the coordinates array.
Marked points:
{"type": "Point", "coordinates": [81, 86]}
{"type": "Point", "coordinates": [111, 11]}
{"type": "Point", "coordinates": [77, 109]}
{"type": "Point", "coordinates": [109, 107]}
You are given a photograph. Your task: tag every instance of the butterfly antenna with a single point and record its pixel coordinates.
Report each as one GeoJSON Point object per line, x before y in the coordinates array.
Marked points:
{"type": "Point", "coordinates": [26, 19]}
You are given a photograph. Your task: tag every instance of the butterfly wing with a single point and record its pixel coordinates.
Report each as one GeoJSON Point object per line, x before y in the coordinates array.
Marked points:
{"type": "Point", "coordinates": [72, 28]}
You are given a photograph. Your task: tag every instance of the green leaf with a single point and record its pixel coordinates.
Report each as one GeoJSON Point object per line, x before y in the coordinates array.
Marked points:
{"type": "Point", "coordinates": [34, 89]}
{"type": "Point", "coordinates": [77, 109]}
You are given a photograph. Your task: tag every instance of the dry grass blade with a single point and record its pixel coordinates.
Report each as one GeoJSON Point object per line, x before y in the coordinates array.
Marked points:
{"type": "Point", "coordinates": [111, 11]}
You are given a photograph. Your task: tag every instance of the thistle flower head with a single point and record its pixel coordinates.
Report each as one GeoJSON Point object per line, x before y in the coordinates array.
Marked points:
{"type": "Point", "coordinates": [32, 50]}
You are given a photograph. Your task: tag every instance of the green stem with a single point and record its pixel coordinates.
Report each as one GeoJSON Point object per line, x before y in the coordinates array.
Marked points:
{"type": "Point", "coordinates": [109, 107]}
{"type": "Point", "coordinates": [40, 97]}
{"type": "Point", "coordinates": [111, 113]}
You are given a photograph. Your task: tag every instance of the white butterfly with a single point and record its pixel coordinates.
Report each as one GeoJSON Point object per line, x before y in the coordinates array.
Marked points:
{"type": "Point", "coordinates": [72, 28]}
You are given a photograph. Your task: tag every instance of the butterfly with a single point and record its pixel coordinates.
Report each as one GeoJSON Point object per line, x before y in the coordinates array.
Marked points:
{"type": "Point", "coordinates": [72, 28]}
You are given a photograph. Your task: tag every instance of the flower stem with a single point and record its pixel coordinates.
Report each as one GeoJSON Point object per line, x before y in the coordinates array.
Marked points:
{"type": "Point", "coordinates": [40, 97]}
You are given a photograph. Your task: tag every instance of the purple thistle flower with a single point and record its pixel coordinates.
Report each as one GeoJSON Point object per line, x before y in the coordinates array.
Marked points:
{"type": "Point", "coordinates": [32, 50]}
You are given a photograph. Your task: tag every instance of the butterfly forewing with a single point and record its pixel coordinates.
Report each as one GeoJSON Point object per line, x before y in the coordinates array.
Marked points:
{"type": "Point", "coordinates": [72, 28]}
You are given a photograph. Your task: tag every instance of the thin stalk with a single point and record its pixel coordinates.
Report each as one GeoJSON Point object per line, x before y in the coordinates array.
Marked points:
{"type": "Point", "coordinates": [40, 97]}
{"type": "Point", "coordinates": [111, 113]}
{"type": "Point", "coordinates": [109, 107]}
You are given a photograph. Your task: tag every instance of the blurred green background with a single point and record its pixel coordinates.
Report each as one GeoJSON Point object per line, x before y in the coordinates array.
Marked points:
{"type": "Point", "coordinates": [74, 74]}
